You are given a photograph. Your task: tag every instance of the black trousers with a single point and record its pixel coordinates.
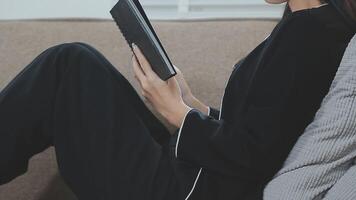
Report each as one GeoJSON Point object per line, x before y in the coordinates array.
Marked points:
{"type": "Point", "coordinates": [108, 144]}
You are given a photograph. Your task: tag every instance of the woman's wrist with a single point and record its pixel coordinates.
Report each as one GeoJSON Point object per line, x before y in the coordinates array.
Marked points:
{"type": "Point", "coordinates": [177, 115]}
{"type": "Point", "coordinates": [193, 102]}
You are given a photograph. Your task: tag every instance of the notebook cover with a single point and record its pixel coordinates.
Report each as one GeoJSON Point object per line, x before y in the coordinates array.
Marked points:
{"type": "Point", "coordinates": [136, 28]}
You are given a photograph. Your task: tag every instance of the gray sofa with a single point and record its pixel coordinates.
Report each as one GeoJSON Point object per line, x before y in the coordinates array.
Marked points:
{"type": "Point", "coordinates": [205, 51]}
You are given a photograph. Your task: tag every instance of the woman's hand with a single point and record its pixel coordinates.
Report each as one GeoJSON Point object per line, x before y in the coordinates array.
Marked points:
{"type": "Point", "coordinates": [187, 94]}
{"type": "Point", "coordinates": [164, 96]}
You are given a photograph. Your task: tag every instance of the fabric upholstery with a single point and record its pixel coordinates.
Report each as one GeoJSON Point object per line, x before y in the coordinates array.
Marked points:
{"type": "Point", "coordinates": [344, 189]}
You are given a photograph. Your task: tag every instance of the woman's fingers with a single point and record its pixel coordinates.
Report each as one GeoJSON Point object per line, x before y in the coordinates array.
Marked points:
{"type": "Point", "coordinates": [139, 74]}
{"type": "Point", "coordinates": [177, 69]}
{"type": "Point", "coordinates": [145, 65]}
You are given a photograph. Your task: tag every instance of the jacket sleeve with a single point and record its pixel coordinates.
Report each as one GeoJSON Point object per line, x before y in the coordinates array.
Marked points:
{"type": "Point", "coordinates": [214, 113]}
{"type": "Point", "coordinates": [286, 96]}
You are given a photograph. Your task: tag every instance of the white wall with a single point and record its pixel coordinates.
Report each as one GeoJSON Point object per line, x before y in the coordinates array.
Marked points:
{"type": "Point", "coordinates": [156, 9]}
{"type": "Point", "coordinates": [25, 9]}
{"type": "Point", "coordinates": [203, 9]}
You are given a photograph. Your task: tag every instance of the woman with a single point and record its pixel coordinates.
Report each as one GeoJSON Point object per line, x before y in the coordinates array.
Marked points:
{"type": "Point", "coordinates": [110, 146]}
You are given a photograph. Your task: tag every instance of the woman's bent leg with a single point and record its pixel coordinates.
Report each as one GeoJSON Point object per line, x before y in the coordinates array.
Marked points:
{"type": "Point", "coordinates": [106, 140]}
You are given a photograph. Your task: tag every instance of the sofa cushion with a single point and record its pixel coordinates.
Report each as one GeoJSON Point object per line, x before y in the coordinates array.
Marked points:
{"type": "Point", "coordinates": [326, 149]}
{"type": "Point", "coordinates": [344, 189]}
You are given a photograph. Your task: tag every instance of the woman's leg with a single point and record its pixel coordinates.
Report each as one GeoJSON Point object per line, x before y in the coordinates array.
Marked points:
{"type": "Point", "coordinates": [107, 142]}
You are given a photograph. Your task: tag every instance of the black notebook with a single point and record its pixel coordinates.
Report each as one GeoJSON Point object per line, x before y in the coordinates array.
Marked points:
{"type": "Point", "coordinates": [136, 28]}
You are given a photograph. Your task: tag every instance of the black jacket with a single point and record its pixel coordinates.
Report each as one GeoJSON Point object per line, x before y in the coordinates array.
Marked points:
{"type": "Point", "coordinates": [270, 98]}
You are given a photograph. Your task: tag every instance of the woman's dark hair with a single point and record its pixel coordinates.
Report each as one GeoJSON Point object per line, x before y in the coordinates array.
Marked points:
{"type": "Point", "coordinates": [350, 7]}
{"type": "Point", "coordinates": [288, 11]}
{"type": "Point", "coordinates": [347, 8]}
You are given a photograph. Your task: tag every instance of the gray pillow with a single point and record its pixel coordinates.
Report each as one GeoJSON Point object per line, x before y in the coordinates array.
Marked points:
{"type": "Point", "coordinates": [344, 189]}
{"type": "Point", "coordinates": [326, 149]}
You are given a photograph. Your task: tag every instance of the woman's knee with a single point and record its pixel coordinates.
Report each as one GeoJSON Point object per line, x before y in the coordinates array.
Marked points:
{"type": "Point", "coordinates": [77, 55]}
{"type": "Point", "coordinates": [79, 47]}
{"type": "Point", "coordinates": [74, 49]}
